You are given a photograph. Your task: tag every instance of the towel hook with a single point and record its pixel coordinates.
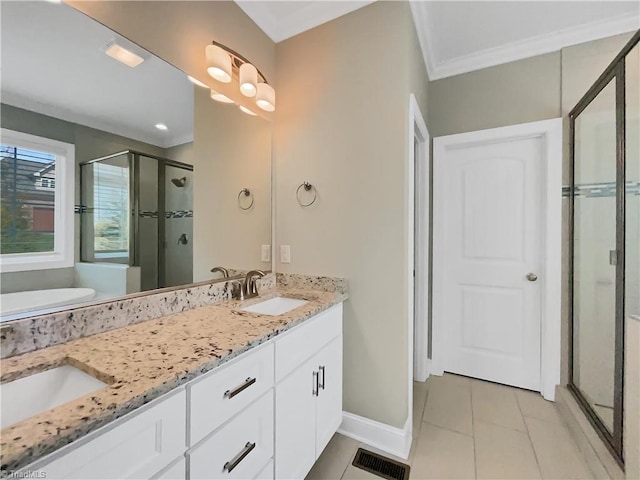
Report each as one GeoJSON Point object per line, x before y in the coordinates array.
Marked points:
{"type": "Point", "coordinates": [307, 187]}
{"type": "Point", "coordinates": [247, 193]}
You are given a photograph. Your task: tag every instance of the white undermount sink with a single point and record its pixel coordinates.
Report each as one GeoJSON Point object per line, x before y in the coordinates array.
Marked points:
{"type": "Point", "coordinates": [28, 396]}
{"type": "Point", "coordinates": [275, 306]}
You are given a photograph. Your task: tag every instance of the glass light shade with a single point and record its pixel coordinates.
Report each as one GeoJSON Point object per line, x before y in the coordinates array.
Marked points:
{"type": "Point", "coordinates": [248, 80]}
{"type": "Point", "coordinates": [266, 97]}
{"type": "Point", "coordinates": [218, 63]}
{"type": "Point", "coordinates": [246, 110]}
{"type": "Point", "coordinates": [218, 97]}
{"type": "Point", "coordinates": [197, 82]}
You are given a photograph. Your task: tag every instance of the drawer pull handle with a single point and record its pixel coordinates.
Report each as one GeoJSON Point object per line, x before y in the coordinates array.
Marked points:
{"type": "Point", "coordinates": [315, 387]}
{"type": "Point", "coordinates": [247, 383]}
{"type": "Point", "coordinates": [231, 464]}
{"type": "Point", "coordinates": [322, 370]}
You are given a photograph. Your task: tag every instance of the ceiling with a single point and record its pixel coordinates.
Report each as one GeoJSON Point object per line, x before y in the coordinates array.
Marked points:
{"type": "Point", "coordinates": [284, 19]}
{"type": "Point", "coordinates": [53, 63]}
{"type": "Point", "coordinates": [458, 37]}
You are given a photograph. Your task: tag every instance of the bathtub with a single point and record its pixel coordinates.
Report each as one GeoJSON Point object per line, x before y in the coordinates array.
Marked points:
{"type": "Point", "coordinates": [20, 302]}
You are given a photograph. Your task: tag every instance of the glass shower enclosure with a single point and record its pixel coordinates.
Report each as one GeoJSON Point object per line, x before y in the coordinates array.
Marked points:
{"type": "Point", "coordinates": [605, 240]}
{"type": "Point", "coordinates": [137, 209]}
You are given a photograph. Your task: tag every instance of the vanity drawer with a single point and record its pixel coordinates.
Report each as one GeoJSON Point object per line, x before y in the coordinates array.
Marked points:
{"type": "Point", "coordinates": [137, 448]}
{"type": "Point", "coordinates": [225, 391]}
{"type": "Point", "coordinates": [244, 445]}
{"type": "Point", "coordinates": [303, 341]}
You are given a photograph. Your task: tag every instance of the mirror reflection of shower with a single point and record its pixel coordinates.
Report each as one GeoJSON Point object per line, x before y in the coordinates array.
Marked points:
{"type": "Point", "coordinates": [179, 182]}
{"type": "Point", "coordinates": [132, 214]}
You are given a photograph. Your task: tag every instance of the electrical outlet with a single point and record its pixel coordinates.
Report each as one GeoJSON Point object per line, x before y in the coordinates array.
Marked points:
{"type": "Point", "coordinates": [285, 254]}
{"type": "Point", "coordinates": [266, 253]}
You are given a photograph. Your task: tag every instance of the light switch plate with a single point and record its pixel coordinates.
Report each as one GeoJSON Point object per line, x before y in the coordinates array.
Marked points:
{"type": "Point", "coordinates": [266, 253]}
{"type": "Point", "coordinates": [285, 254]}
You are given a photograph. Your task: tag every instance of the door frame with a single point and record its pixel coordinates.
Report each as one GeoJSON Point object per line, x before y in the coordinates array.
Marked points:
{"type": "Point", "coordinates": [551, 216]}
{"type": "Point", "coordinates": [417, 131]}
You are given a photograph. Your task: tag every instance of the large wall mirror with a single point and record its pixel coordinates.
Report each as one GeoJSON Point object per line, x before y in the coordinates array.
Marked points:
{"type": "Point", "coordinates": [118, 174]}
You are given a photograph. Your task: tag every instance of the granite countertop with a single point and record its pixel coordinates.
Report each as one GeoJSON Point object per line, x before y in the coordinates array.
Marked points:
{"type": "Point", "coordinates": [140, 363]}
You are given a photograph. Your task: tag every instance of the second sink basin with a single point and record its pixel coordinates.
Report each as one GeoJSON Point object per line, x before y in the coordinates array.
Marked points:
{"type": "Point", "coordinates": [28, 396]}
{"type": "Point", "coordinates": [275, 306]}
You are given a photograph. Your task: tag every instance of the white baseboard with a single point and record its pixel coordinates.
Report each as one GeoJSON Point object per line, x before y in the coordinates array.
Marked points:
{"type": "Point", "coordinates": [388, 439]}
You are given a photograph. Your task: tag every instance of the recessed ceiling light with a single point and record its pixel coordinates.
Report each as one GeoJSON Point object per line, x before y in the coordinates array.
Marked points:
{"type": "Point", "coordinates": [123, 55]}
{"type": "Point", "coordinates": [161, 126]}
{"type": "Point", "coordinates": [197, 82]}
{"type": "Point", "coordinates": [246, 110]}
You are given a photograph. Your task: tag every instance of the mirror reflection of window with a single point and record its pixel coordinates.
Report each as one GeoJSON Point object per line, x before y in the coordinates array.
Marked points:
{"type": "Point", "coordinates": [111, 207]}
{"type": "Point", "coordinates": [27, 201]}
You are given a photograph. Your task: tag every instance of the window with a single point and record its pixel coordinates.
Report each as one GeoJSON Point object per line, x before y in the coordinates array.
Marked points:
{"type": "Point", "coordinates": [36, 202]}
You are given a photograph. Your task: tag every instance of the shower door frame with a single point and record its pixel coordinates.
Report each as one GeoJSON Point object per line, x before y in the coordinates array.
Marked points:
{"type": "Point", "coordinates": [133, 159]}
{"type": "Point", "coordinates": [615, 71]}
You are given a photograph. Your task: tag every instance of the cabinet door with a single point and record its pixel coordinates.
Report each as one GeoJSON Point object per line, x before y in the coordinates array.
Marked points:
{"type": "Point", "coordinates": [329, 402]}
{"type": "Point", "coordinates": [136, 448]}
{"type": "Point", "coordinates": [176, 471]}
{"type": "Point", "coordinates": [296, 423]}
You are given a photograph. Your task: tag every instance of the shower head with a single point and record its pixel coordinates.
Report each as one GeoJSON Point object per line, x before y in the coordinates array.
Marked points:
{"type": "Point", "coordinates": [179, 182]}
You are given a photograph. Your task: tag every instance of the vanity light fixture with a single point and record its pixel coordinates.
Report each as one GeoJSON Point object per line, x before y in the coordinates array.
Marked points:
{"type": "Point", "coordinates": [218, 97]}
{"type": "Point", "coordinates": [246, 110]}
{"type": "Point", "coordinates": [266, 97]}
{"type": "Point", "coordinates": [218, 63]}
{"type": "Point", "coordinates": [224, 65]}
{"type": "Point", "coordinates": [248, 80]}
{"type": "Point", "coordinates": [115, 50]}
{"type": "Point", "coordinates": [161, 126]}
{"type": "Point", "coordinates": [197, 82]}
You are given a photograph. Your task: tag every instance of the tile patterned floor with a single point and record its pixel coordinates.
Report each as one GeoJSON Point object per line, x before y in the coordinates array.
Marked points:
{"type": "Point", "coordinates": [470, 429]}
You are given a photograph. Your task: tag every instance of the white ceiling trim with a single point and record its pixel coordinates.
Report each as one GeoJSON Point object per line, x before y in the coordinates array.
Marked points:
{"type": "Point", "coordinates": [313, 14]}
{"type": "Point", "coordinates": [513, 51]}
{"type": "Point", "coordinates": [31, 105]}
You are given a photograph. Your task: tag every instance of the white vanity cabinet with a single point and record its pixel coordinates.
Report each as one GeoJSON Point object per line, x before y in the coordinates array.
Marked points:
{"type": "Point", "coordinates": [308, 398]}
{"type": "Point", "coordinates": [266, 414]}
{"type": "Point", "coordinates": [138, 445]}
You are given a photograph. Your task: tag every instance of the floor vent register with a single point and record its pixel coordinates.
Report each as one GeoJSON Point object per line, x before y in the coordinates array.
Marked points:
{"type": "Point", "coordinates": [382, 466]}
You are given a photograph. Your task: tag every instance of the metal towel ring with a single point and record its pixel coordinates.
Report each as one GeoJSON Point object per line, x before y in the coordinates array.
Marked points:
{"type": "Point", "coordinates": [247, 193]}
{"type": "Point", "coordinates": [307, 187]}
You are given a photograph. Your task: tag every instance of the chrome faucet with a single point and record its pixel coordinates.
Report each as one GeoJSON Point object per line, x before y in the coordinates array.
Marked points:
{"type": "Point", "coordinates": [250, 287]}
{"type": "Point", "coordinates": [222, 270]}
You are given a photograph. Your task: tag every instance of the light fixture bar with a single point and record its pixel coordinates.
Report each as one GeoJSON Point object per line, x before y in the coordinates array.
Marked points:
{"type": "Point", "coordinates": [237, 60]}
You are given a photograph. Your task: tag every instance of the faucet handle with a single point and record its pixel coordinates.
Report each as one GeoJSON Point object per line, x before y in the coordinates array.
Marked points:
{"type": "Point", "coordinates": [237, 290]}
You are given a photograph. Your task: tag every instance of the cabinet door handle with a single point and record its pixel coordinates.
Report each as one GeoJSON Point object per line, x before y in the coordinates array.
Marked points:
{"type": "Point", "coordinates": [247, 383]}
{"type": "Point", "coordinates": [314, 388]}
{"type": "Point", "coordinates": [321, 367]}
{"type": "Point", "coordinates": [231, 464]}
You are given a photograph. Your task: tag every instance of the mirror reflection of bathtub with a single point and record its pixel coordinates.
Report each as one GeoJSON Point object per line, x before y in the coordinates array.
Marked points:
{"type": "Point", "coordinates": [41, 300]}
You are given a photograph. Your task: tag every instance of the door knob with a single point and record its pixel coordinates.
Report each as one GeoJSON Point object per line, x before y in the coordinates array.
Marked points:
{"type": "Point", "coordinates": [532, 277]}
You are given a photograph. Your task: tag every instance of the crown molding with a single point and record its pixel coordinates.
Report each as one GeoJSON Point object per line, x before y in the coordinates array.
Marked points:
{"type": "Point", "coordinates": [510, 52]}
{"type": "Point", "coordinates": [420, 19]}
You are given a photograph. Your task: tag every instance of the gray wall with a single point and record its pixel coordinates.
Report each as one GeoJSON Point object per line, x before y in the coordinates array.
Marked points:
{"type": "Point", "coordinates": [89, 143]}
{"type": "Point", "coordinates": [342, 124]}
{"type": "Point", "coordinates": [508, 94]}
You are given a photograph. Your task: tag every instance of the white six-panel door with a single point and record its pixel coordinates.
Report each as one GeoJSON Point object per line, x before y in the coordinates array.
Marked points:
{"type": "Point", "coordinates": [491, 252]}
